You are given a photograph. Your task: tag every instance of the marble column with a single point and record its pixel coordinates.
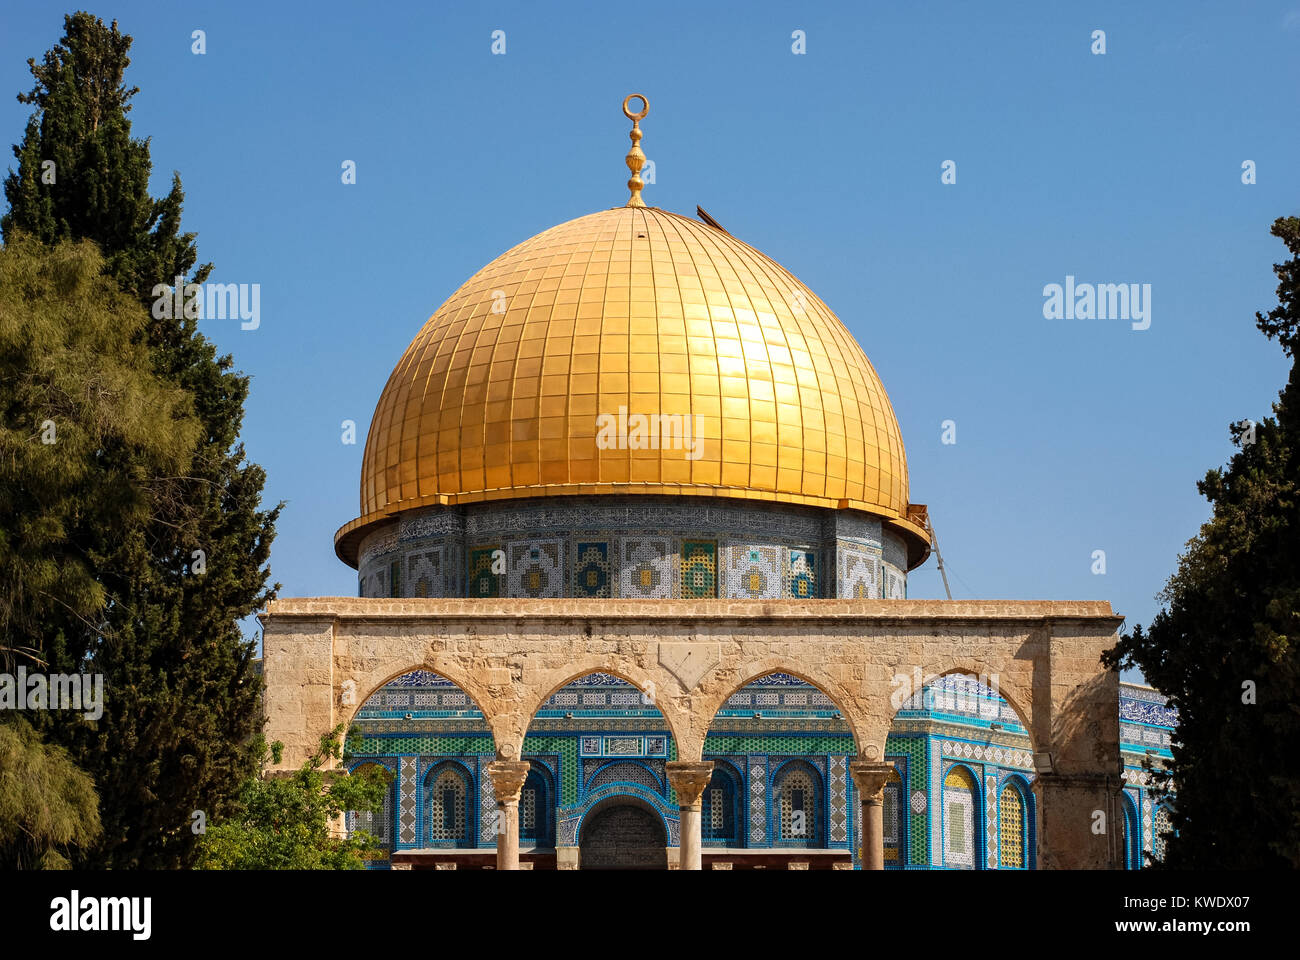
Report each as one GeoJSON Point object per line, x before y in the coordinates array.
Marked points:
{"type": "Point", "coordinates": [690, 778]}
{"type": "Point", "coordinates": [508, 778]}
{"type": "Point", "coordinates": [869, 777]}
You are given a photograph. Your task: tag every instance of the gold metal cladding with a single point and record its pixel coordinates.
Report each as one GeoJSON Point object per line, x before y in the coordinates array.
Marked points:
{"type": "Point", "coordinates": [499, 394]}
{"type": "Point", "coordinates": [635, 159]}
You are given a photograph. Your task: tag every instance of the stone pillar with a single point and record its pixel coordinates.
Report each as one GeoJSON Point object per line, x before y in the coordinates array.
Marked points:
{"type": "Point", "coordinates": [566, 858]}
{"type": "Point", "coordinates": [869, 778]}
{"type": "Point", "coordinates": [690, 778]}
{"type": "Point", "coordinates": [508, 780]}
{"type": "Point", "coordinates": [1068, 805]}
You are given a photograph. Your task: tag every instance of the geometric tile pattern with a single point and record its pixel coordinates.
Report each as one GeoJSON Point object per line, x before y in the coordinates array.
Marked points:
{"type": "Point", "coordinates": [699, 569]}
{"type": "Point", "coordinates": [959, 819]}
{"type": "Point", "coordinates": [487, 804]}
{"type": "Point", "coordinates": [757, 798]}
{"type": "Point", "coordinates": [647, 568]}
{"type": "Point", "coordinates": [483, 582]}
{"type": "Point", "coordinates": [536, 569]}
{"type": "Point", "coordinates": [991, 818]}
{"type": "Point", "coordinates": [424, 573]}
{"type": "Point", "coordinates": [802, 581]}
{"type": "Point", "coordinates": [440, 551]}
{"type": "Point", "coordinates": [753, 573]}
{"type": "Point", "coordinates": [894, 585]}
{"type": "Point", "coordinates": [1011, 839]}
{"type": "Point", "coordinates": [443, 727]}
{"type": "Point", "coordinates": [406, 803]}
{"type": "Point", "coordinates": [859, 572]}
{"type": "Point", "coordinates": [891, 817]}
{"type": "Point", "coordinates": [839, 819]}
{"type": "Point", "coordinates": [591, 570]}
{"type": "Point", "coordinates": [913, 748]}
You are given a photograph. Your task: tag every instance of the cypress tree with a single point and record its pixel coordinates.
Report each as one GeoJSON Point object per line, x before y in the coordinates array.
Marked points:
{"type": "Point", "coordinates": [1223, 647]}
{"type": "Point", "coordinates": [181, 711]}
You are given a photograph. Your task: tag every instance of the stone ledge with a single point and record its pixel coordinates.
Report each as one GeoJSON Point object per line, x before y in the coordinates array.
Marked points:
{"type": "Point", "coordinates": [613, 610]}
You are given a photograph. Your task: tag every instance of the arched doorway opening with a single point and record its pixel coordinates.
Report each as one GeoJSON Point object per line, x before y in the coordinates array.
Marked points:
{"type": "Point", "coordinates": [622, 834]}
{"type": "Point", "coordinates": [597, 739]}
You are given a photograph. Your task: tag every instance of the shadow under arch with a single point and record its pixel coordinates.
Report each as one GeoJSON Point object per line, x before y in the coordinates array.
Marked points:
{"type": "Point", "coordinates": [655, 834]}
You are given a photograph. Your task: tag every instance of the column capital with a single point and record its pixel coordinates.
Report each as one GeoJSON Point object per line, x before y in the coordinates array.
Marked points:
{"type": "Point", "coordinates": [869, 777]}
{"type": "Point", "coordinates": [508, 778]}
{"type": "Point", "coordinates": [690, 778]}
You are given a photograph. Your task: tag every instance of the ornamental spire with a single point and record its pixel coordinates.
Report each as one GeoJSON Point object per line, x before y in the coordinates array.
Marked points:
{"type": "Point", "coordinates": [635, 158]}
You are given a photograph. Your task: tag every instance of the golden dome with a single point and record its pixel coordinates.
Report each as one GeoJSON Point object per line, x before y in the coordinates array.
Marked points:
{"type": "Point", "coordinates": [524, 383]}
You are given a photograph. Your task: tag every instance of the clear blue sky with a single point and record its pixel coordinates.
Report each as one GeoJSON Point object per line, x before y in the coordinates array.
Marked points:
{"type": "Point", "coordinates": [1072, 435]}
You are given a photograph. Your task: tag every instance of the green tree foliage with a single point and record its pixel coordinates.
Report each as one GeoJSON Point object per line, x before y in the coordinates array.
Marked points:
{"type": "Point", "coordinates": [101, 175]}
{"type": "Point", "coordinates": [47, 805]}
{"type": "Point", "coordinates": [181, 709]}
{"type": "Point", "coordinates": [85, 429]}
{"type": "Point", "coordinates": [283, 823]}
{"type": "Point", "coordinates": [1223, 648]}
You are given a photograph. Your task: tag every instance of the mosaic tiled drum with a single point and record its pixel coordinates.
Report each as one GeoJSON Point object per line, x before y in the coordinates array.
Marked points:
{"type": "Point", "coordinates": [647, 546]}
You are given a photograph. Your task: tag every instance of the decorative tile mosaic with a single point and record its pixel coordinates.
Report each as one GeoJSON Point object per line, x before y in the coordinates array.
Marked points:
{"type": "Point", "coordinates": [891, 818]}
{"type": "Point", "coordinates": [647, 568]}
{"type": "Point", "coordinates": [482, 581]}
{"type": "Point", "coordinates": [894, 584]}
{"type": "Point", "coordinates": [859, 575]}
{"type": "Point", "coordinates": [406, 804]}
{"type": "Point", "coordinates": [591, 572]}
{"type": "Point", "coordinates": [536, 569]}
{"type": "Point", "coordinates": [699, 569]}
{"type": "Point", "coordinates": [795, 536]}
{"type": "Point", "coordinates": [424, 574]}
{"type": "Point", "coordinates": [625, 772]}
{"type": "Point", "coordinates": [839, 817]}
{"type": "Point", "coordinates": [959, 819]}
{"type": "Point", "coordinates": [757, 798]}
{"type": "Point", "coordinates": [487, 801]}
{"type": "Point", "coordinates": [991, 818]}
{"type": "Point", "coordinates": [753, 572]}
{"type": "Point", "coordinates": [802, 578]}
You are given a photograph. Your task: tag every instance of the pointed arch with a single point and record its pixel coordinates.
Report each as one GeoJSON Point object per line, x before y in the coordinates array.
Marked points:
{"type": "Point", "coordinates": [961, 818]}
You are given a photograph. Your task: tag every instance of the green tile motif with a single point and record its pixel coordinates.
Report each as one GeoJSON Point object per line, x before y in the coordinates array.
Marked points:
{"type": "Point", "coordinates": [482, 581]}
{"type": "Point", "coordinates": [699, 569]}
{"type": "Point", "coordinates": [914, 749]}
{"type": "Point", "coordinates": [791, 745]}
